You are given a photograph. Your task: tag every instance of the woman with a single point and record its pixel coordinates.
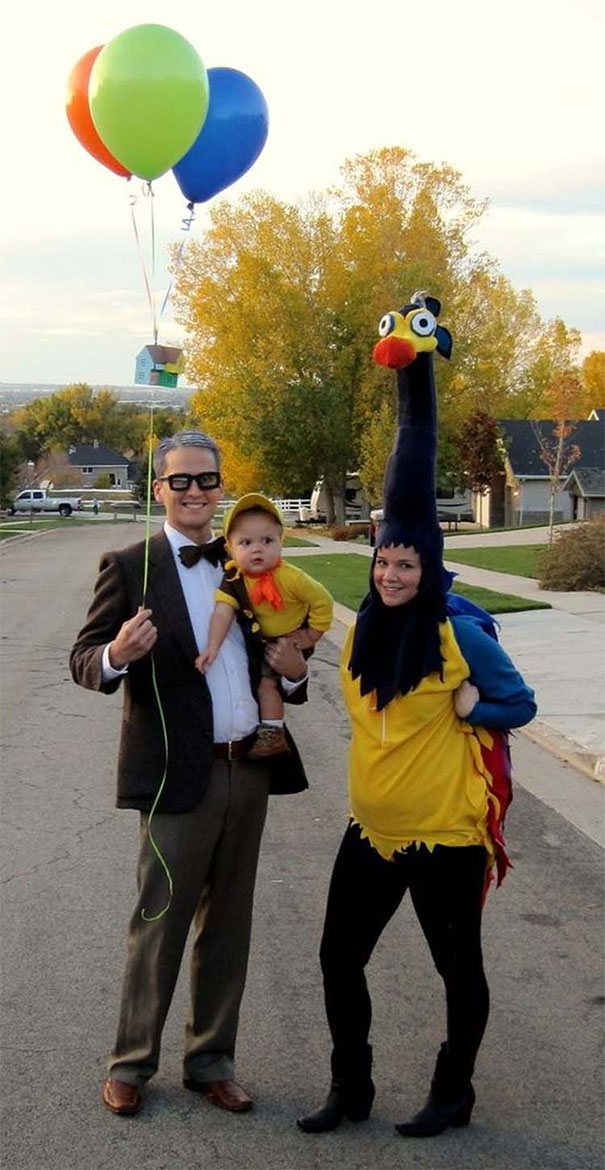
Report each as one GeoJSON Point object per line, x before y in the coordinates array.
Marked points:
{"type": "Point", "coordinates": [422, 691]}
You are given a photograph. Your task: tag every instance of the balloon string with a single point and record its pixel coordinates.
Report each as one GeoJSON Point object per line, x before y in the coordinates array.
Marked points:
{"type": "Point", "coordinates": [150, 195]}
{"type": "Point", "coordinates": [186, 223]}
{"type": "Point", "coordinates": [152, 841]}
{"type": "Point", "coordinates": [148, 500]}
{"type": "Point", "coordinates": [150, 298]}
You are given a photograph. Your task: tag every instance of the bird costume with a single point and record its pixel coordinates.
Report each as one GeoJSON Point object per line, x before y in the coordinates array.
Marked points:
{"type": "Point", "coordinates": [428, 789]}
{"type": "Point", "coordinates": [401, 665]}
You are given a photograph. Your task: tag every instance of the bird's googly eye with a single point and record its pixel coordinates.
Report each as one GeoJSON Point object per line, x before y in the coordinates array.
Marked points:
{"type": "Point", "coordinates": [423, 323]}
{"type": "Point", "coordinates": [387, 325]}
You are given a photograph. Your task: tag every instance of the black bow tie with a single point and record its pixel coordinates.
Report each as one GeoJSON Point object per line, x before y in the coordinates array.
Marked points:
{"type": "Point", "coordinates": [213, 551]}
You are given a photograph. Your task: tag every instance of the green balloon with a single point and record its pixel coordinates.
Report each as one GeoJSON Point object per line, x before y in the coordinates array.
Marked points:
{"type": "Point", "coordinates": [148, 96]}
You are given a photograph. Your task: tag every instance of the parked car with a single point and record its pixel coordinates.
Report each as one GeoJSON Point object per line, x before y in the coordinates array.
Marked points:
{"type": "Point", "coordinates": [39, 500]}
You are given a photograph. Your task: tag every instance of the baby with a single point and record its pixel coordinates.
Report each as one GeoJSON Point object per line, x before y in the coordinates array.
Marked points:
{"type": "Point", "coordinates": [280, 596]}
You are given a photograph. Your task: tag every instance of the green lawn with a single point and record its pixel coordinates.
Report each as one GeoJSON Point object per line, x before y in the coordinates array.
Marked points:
{"type": "Point", "coordinates": [520, 559]}
{"type": "Point", "coordinates": [346, 575]}
{"type": "Point", "coordinates": [291, 541]}
{"type": "Point", "coordinates": [23, 525]}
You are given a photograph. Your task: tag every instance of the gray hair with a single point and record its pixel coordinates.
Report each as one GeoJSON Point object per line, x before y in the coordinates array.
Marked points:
{"type": "Point", "coordinates": [183, 439]}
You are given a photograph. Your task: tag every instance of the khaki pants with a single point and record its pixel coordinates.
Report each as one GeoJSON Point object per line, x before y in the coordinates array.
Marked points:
{"type": "Point", "coordinates": [212, 855]}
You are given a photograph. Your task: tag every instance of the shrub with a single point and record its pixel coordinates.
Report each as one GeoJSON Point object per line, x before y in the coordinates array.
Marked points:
{"type": "Point", "coordinates": [348, 531]}
{"type": "Point", "coordinates": [576, 558]}
{"type": "Point", "coordinates": [359, 528]}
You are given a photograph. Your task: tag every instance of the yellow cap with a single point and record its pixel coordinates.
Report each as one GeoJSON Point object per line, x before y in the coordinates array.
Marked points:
{"type": "Point", "coordinates": [251, 500]}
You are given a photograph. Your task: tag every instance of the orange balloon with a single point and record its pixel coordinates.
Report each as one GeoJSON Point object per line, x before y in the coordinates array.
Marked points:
{"type": "Point", "coordinates": [78, 113]}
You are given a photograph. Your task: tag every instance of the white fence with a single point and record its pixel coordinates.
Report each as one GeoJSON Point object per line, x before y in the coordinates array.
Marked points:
{"type": "Point", "coordinates": [293, 508]}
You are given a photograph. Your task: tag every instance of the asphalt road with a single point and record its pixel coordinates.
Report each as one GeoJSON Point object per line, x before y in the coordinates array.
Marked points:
{"type": "Point", "coordinates": [68, 882]}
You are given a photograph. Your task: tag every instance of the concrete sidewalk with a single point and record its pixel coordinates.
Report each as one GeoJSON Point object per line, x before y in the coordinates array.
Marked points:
{"type": "Point", "coordinates": [560, 652]}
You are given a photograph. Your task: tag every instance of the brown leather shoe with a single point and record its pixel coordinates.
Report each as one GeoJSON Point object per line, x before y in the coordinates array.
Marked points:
{"type": "Point", "coordinates": [120, 1097]}
{"type": "Point", "coordinates": [225, 1094]}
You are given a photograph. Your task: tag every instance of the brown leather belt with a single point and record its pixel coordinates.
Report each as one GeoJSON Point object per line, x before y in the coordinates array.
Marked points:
{"type": "Point", "coordinates": [233, 749]}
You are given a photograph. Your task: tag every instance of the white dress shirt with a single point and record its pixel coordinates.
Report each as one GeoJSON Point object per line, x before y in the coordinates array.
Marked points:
{"type": "Point", "coordinates": [234, 708]}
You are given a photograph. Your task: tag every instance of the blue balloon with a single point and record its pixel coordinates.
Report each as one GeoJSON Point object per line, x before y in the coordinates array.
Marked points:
{"type": "Point", "coordinates": [230, 140]}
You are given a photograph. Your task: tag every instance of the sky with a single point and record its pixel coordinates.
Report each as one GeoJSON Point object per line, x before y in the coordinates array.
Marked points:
{"type": "Point", "coordinates": [510, 94]}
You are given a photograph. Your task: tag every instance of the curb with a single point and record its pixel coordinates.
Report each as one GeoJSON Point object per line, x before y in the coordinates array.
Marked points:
{"type": "Point", "coordinates": [592, 764]}
{"type": "Point", "coordinates": [20, 538]}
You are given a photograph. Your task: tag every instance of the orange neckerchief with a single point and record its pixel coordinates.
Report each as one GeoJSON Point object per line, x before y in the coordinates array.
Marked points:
{"type": "Point", "coordinates": [265, 589]}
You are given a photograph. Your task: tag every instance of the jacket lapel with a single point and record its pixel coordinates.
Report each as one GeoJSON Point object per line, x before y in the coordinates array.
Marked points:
{"type": "Point", "coordinates": [165, 588]}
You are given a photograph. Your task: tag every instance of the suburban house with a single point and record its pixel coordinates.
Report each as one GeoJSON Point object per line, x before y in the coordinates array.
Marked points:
{"type": "Point", "coordinates": [95, 459]}
{"type": "Point", "coordinates": [522, 494]}
{"type": "Point", "coordinates": [586, 486]}
{"type": "Point", "coordinates": [159, 365]}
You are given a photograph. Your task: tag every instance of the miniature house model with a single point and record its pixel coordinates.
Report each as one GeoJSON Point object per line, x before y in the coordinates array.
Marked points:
{"type": "Point", "coordinates": [159, 365]}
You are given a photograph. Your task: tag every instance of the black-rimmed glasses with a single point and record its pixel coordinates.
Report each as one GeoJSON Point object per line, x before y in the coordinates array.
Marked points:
{"type": "Point", "coordinates": [181, 481]}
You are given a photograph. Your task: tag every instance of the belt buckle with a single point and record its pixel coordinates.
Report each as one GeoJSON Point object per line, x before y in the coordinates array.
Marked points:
{"type": "Point", "coordinates": [230, 757]}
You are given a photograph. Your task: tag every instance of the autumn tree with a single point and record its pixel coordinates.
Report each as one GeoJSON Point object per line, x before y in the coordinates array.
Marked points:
{"type": "Point", "coordinates": [10, 462]}
{"type": "Point", "coordinates": [481, 449]}
{"type": "Point", "coordinates": [375, 445]}
{"type": "Point", "coordinates": [272, 386]}
{"type": "Point", "coordinates": [79, 414]}
{"type": "Point", "coordinates": [281, 305]}
{"type": "Point", "coordinates": [593, 382]}
{"type": "Point", "coordinates": [76, 414]}
{"type": "Point", "coordinates": [557, 388]}
{"type": "Point", "coordinates": [558, 451]}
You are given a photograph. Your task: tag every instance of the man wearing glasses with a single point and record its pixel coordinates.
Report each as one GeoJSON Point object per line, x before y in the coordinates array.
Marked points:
{"type": "Point", "coordinates": [186, 734]}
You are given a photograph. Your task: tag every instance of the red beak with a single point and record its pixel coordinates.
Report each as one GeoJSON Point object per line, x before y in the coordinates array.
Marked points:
{"type": "Point", "coordinates": [394, 352]}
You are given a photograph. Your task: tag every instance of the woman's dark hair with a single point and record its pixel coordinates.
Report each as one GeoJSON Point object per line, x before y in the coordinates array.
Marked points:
{"type": "Point", "coordinates": [394, 647]}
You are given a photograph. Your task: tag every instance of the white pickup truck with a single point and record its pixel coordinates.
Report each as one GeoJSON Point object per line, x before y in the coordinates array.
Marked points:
{"type": "Point", "coordinates": [38, 500]}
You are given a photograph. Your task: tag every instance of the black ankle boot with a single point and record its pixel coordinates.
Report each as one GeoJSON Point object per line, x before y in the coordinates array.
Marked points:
{"type": "Point", "coordinates": [350, 1096]}
{"type": "Point", "coordinates": [342, 1101]}
{"type": "Point", "coordinates": [437, 1116]}
{"type": "Point", "coordinates": [449, 1103]}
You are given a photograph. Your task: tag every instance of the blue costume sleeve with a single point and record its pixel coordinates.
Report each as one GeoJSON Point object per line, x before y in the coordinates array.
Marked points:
{"type": "Point", "coordinates": [505, 699]}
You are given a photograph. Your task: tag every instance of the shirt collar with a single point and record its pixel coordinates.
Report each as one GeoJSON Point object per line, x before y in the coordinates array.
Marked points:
{"type": "Point", "coordinates": [176, 539]}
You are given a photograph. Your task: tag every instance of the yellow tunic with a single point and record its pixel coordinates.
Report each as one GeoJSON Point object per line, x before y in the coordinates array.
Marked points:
{"type": "Point", "coordinates": [415, 769]}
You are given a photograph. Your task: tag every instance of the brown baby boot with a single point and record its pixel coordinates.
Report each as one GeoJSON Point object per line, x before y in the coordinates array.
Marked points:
{"type": "Point", "coordinates": [270, 741]}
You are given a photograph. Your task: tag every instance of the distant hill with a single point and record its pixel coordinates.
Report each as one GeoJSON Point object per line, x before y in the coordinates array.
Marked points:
{"type": "Point", "coordinates": [15, 394]}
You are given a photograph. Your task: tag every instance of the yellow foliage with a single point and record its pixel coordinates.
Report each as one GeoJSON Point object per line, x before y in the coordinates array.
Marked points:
{"type": "Point", "coordinates": [593, 377]}
{"type": "Point", "coordinates": [240, 474]}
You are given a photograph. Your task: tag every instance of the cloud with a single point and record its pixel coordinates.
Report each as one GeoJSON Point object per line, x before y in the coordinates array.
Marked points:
{"type": "Point", "coordinates": [532, 245]}
{"type": "Point", "coordinates": [574, 191]}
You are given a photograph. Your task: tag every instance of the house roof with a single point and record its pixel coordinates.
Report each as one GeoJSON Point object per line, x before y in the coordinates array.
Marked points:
{"type": "Point", "coordinates": [163, 353]}
{"type": "Point", "coordinates": [524, 451]}
{"type": "Point", "coordinates": [95, 455]}
{"type": "Point", "coordinates": [590, 482]}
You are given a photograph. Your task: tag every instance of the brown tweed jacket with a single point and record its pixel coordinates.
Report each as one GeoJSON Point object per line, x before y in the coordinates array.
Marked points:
{"type": "Point", "coordinates": [183, 690]}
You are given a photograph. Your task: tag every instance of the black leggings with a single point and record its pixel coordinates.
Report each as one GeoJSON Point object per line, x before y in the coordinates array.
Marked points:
{"type": "Point", "coordinates": [446, 887]}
